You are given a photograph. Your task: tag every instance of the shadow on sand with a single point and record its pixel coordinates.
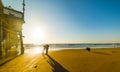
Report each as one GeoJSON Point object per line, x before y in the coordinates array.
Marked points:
{"type": "Point", "coordinates": [102, 53]}
{"type": "Point", "coordinates": [55, 65]}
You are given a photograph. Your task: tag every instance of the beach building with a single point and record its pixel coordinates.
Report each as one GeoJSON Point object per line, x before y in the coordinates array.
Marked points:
{"type": "Point", "coordinates": [11, 39]}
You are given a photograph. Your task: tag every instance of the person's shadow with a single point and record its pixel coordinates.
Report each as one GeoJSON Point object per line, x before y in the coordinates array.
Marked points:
{"type": "Point", "coordinates": [55, 65]}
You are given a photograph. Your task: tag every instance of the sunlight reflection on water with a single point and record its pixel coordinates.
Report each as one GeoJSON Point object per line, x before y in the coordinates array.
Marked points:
{"type": "Point", "coordinates": [39, 49]}
{"type": "Point", "coordinates": [34, 50]}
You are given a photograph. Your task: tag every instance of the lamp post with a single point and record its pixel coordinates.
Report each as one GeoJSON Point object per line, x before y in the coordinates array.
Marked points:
{"type": "Point", "coordinates": [23, 9]}
{"type": "Point", "coordinates": [21, 36]}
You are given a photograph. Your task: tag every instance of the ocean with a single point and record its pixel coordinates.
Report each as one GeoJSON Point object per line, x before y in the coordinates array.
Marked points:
{"type": "Point", "coordinates": [31, 48]}
{"type": "Point", "coordinates": [81, 46]}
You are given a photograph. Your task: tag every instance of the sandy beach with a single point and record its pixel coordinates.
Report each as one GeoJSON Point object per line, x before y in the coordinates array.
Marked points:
{"type": "Point", "coordinates": [98, 60]}
{"type": "Point", "coordinates": [68, 60]}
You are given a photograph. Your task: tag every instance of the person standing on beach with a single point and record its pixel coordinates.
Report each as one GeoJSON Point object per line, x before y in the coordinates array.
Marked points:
{"type": "Point", "coordinates": [46, 47]}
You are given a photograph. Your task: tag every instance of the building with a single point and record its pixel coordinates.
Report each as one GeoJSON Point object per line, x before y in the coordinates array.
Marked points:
{"type": "Point", "coordinates": [11, 21]}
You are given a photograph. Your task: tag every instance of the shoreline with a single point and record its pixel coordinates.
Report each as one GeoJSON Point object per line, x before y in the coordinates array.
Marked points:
{"type": "Point", "coordinates": [81, 48]}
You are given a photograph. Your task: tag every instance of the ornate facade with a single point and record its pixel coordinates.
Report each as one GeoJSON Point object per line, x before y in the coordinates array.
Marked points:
{"type": "Point", "coordinates": [11, 21]}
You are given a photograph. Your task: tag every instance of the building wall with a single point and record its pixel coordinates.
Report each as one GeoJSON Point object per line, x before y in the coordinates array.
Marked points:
{"type": "Point", "coordinates": [10, 29]}
{"type": "Point", "coordinates": [1, 13]}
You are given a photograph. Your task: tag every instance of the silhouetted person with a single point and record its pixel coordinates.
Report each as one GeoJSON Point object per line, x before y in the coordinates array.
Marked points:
{"type": "Point", "coordinates": [46, 47]}
{"type": "Point", "coordinates": [88, 49]}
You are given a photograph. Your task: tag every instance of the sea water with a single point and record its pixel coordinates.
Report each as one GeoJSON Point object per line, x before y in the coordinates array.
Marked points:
{"type": "Point", "coordinates": [75, 46]}
{"type": "Point", "coordinates": [91, 45]}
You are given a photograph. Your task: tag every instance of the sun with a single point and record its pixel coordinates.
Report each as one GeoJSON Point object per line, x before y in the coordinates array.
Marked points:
{"type": "Point", "coordinates": [37, 35]}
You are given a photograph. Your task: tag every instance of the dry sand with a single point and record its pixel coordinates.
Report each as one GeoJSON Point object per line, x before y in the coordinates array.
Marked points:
{"type": "Point", "coordinates": [98, 60]}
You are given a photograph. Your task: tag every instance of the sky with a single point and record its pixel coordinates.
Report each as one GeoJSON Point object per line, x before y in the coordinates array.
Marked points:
{"type": "Point", "coordinates": [70, 21]}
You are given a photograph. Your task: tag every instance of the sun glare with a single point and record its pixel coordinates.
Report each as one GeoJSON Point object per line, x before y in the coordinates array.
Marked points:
{"type": "Point", "coordinates": [38, 35]}
{"type": "Point", "coordinates": [37, 50]}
